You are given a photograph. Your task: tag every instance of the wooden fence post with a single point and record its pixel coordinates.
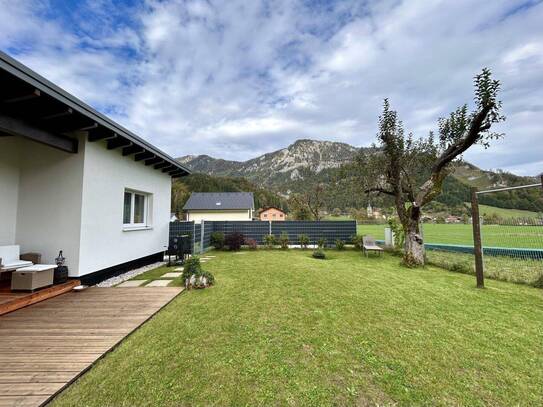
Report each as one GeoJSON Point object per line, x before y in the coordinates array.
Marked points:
{"type": "Point", "coordinates": [477, 243]}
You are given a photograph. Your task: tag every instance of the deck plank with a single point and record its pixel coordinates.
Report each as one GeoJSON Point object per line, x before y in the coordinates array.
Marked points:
{"type": "Point", "coordinates": [47, 345]}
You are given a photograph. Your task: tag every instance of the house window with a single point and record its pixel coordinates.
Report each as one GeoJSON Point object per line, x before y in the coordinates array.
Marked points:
{"type": "Point", "coordinates": [136, 209]}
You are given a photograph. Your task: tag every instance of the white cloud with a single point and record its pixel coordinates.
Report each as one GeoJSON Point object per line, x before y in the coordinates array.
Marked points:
{"type": "Point", "coordinates": [235, 79]}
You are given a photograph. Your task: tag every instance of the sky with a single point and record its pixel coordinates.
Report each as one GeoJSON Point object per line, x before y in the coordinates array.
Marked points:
{"type": "Point", "coordinates": [236, 79]}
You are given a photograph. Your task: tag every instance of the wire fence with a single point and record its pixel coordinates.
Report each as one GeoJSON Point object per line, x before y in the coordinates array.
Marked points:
{"type": "Point", "coordinates": [505, 243]}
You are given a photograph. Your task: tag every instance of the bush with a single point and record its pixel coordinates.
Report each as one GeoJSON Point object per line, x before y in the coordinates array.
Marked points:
{"type": "Point", "coordinates": [269, 240]}
{"type": "Point", "coordinates": [357, 241]}
{"type": "Point", "coordinates": [217, 240]}
{"type": "Point", "coordinates": [194, 277]}
{"type": "Point", "coordinates": [234, 241]}
{"type": "Point", "coordinates": [192, 266]}
{"type": "Point", "coordinates": [304, 241]}
{"type": "Point", "coordinates": [283, 240]}
{"type": "Point", "coordinates": [321, 243]}
{"type": "Point", "coordinates": [340, 244]}
{"type": "Point", "coordinates": [319, 254]}
{"type": "Point", "coordinates": [251, 243]}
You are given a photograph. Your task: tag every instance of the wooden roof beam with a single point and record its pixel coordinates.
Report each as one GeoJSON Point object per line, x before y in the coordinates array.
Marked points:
{"type": "Point", "coordinates": [23, 98]}
{"type": "Point", "coordinates": [152, 161]}
{"type": "Point", "coordinates": [118, 142]}
{"type": "Point", "coordinates": [143, 156]}
{"type": "Point", "coordinates": [132, 150]}
{"type": "Point", "coordinates": [22, 128]}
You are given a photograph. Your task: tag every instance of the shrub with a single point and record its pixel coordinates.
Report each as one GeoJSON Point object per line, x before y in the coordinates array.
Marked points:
{"type": "Point", "coordinates": [340, 244]}
{"type": "Point", "coordinates": [304, 241]}
{"type": "Point", "coordinates": [234, 241]}
{"type": "Point", "coordinates": [194, 277]}
{"type": "Point", "coordinates": [251, 243]}
{"type": "Point", "coordinates": [321, 243]}
{"type": "Point", "coordinates": [283, 240]}
{"type": "Point", "coordinates": [357, 241]}
{"type": "Point", "coordinates": [319, 254]}
{"type": "Point", "coordinates": [192, 266]}
{"type": "Point", "coordinates": [217, 240]}
{"type": "Point", "coordinates": [538, 283]}
{"type": "Point", "coordinates": [269, 240]}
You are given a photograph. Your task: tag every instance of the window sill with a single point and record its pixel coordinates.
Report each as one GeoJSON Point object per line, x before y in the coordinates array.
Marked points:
{"type": "Point", "coordinates": [133, 228]}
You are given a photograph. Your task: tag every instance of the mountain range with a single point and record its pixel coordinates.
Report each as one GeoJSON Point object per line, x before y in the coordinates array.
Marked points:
{"type": "Point", "coordinates": [304, 163]}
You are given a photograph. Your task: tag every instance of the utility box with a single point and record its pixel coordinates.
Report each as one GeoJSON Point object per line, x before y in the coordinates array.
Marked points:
{"type": "Point", "coordinates": [389, 237]}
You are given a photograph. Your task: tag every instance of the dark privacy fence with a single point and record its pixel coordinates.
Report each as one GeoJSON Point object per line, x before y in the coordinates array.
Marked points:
{"type": "Point", "coordinates": [200, 234]}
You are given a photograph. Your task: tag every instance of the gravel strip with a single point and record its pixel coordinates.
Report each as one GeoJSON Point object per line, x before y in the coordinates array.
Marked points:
{"type": "Point", "coordinates": [110, 282]}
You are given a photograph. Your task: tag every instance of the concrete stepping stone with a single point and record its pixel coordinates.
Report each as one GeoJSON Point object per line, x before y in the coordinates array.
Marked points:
{"type": "Point", "coordinates": [159, 283]}
{"type": "Point", "coordinates": [240, 253]}
{"type": "Point", "coordinates": [179, 269]}
{"type": "Point", "coordinates": [132, 283]}
{"type": "Point", "coordinates": [171, 275]}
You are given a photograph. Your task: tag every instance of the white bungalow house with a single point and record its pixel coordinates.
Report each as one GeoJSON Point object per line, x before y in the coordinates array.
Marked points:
{"type": "Point", "coordinates": [72, 179]}
{"type": "Point", "coordinates": [219, 206]}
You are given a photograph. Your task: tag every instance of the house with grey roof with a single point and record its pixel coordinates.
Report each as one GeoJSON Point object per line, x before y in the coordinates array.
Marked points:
{"type": "Point", "coordinates": [72, 179]}
{"type": "Point", "coordinates": [219, 206]}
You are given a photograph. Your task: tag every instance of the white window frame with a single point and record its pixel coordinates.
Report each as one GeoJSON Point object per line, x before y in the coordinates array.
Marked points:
{"type": "Point", "coordinates": [147, 198]}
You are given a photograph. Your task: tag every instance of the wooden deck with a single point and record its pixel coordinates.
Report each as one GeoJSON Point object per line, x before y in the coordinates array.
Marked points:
{"type": "Point", "coordinates": [46, 346]}
{"type": "Point", "coordinates": [14, 300]}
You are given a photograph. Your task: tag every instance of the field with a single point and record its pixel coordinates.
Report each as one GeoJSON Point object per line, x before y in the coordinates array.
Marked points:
{"type": "Point", "coordinates": [461, 234]}
{"type": "Point", "coordinates": [281, 328]}
{"type": "Point", "coordinates": [507, 213]}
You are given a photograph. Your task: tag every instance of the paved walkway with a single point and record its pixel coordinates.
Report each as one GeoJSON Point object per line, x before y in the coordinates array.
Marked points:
{"type": "Point", "coordinates": [164, 280]}
{"type": "Point", "coordinates": [46, 346]}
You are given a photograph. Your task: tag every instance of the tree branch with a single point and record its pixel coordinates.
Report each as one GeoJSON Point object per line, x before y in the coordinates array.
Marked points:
{"type": "Point", "coordinates": [464, 142]}
{"type": "Point", "coordinates": [380, 190]}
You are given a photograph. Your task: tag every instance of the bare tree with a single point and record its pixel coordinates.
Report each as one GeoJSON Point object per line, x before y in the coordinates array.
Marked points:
{"type": "Point", "coordinates": [412, 171]}
{"type": "Point", "coordinates": [310, 202]}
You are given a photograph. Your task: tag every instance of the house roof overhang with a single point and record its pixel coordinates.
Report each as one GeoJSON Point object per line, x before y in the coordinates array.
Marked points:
{"type": "Point", "coordinates": [35, 108]}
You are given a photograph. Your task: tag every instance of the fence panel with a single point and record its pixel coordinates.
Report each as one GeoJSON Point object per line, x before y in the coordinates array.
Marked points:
{"type": "Point", "coordinates": [329, 230]}
{"type": "Point", "coordinates": [250, 229]}
{"type": "Point", "coordinates": [315, 230]}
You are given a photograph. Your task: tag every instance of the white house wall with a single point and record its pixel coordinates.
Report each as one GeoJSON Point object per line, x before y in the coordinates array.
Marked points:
{"type": "Point", "coordinates": [49, 202]}
{"type": "Point", "coordinates": [9, 188]}
{"type": "Point", "coordinates": [198, 216]}
{"type": "Point", "coordinates": [104, 242]}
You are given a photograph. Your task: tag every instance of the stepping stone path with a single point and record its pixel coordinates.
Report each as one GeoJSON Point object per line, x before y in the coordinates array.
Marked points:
{"type": "Point", "coordinates": [179, 269]}
{"type": "Point", "coordinates": [159, 283]}
{"type": "Point", "coordinates": [132, 283]}
{"type": "Point", "coordinates": [171, 275]}
{"type": "Point", "coordinates": [240, 253]}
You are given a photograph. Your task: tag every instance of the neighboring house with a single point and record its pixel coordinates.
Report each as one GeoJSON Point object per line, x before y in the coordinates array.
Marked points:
{"type": "Point", "coordinates": [72, 179]}
{"type": "Point", "coordinates": [272, 213]}
{"type": "Point", "coordinates": [219, 206]}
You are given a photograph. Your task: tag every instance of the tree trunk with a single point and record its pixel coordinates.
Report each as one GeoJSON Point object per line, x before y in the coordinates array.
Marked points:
{"type": "Point", "coordinates": [414, 245]}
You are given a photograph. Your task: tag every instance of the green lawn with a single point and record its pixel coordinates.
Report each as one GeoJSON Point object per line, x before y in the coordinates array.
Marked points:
{"type": "Point", "coordinates": [507, 213]}
{"type": "Point", "coordinates": [281, 328]}
{"type": "Point", "coordinates": [461, 234]}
